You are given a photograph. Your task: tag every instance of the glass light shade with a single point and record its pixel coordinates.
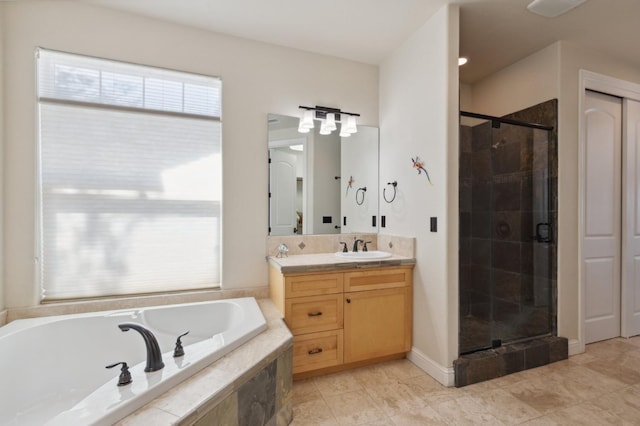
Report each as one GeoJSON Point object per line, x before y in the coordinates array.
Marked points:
{"type": "Point", "coordinates": [324, 130]}
{"type": "Point", "coordinates": [343, 131]}
{"type": "Point", "coordinates": [330, 121]}
{"type": "Point", "coordinates": [350, 124]}
{"type": "Point", "coordinates": [307, 119]}
{"type": "Point", "coordinates": [302, 129]}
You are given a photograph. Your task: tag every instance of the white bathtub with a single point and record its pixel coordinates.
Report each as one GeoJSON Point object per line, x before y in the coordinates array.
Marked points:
{"type": "Point", "coordinates": [53, 368]}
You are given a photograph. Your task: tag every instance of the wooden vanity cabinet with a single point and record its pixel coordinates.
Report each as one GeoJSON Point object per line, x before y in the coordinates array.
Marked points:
{"type": "Point", "coordinates": [347, 318]}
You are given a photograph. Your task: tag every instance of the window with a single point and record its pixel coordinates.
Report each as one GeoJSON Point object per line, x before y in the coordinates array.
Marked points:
{"type": "Point", "coordinates": [129, 178]}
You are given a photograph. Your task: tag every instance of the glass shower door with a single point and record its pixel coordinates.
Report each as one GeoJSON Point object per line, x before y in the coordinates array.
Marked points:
{"type": "Point", "coordinates": [506, 234]}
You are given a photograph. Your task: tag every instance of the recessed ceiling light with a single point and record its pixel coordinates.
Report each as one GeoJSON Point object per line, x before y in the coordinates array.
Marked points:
{"type": "Point", "coordinates": [462, 60]}
{"type": "Point", "coordinates": [553, 8]}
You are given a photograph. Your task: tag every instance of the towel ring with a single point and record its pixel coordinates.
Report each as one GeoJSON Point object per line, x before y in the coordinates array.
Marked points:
{"type": "Point", "coordinates": [360, 191]}
{"type": "Point", "coordinates": [394, 184]}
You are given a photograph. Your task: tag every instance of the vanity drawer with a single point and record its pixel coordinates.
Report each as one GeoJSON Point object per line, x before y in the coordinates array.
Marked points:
{"type": "Point", "coordinates": [312, 284]}
{"type": "Point", "coordinates": [377, 279]}
{"type": "Point", "coordinates": [314, 313]}
{"type": "Point", "coordinates": [317, 350]}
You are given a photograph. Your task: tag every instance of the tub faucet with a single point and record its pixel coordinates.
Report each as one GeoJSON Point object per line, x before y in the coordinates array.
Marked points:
{"type": "Point", "coordinates": [154, 356]}
{"type": "Point", "coordinates": [355, 245]}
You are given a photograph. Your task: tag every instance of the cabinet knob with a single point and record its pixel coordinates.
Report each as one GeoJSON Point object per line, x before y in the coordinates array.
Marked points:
{"type": "Point", "coordinates": [348, 300]}
{"type": "Point", "coordinates": [314, 314]}
{"type": "Point", "coordinates": [315, 351]}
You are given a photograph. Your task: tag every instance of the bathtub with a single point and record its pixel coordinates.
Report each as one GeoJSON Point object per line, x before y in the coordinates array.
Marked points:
{"type": "Point", "coordinates": [53, 368]}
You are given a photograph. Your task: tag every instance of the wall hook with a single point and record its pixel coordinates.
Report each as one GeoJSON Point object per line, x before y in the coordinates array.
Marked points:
{"type": "Point", "coordinates": [394, 184]}
{"type": "Point", "coordinates": [361, 191]}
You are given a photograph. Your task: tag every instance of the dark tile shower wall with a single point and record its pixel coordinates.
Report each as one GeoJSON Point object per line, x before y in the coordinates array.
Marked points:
{"type": "Point", "coordinates": [508, 181]}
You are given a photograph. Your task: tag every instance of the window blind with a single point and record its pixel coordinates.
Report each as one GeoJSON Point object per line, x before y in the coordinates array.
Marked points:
{"type": "Point", "coordinates": [130, 178]}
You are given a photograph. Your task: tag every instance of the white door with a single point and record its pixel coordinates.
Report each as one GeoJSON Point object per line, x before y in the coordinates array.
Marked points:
{"type": "Point", "coordinates": [631, 220]}
{"type": "Point", "coordinates": [601, 243]}
{"type": "Point", "coordinates": [283, 219]}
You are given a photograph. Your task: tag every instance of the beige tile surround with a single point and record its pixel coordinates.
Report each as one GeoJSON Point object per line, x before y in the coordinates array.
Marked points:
{"type": "Point", "coordinates": [314, 244]}
{"type": "Point", "coordinates": [598, 387]}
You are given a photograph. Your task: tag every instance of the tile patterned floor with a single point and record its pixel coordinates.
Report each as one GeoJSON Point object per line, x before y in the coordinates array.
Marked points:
{"type": "Point", "coordinates": [598, 387]}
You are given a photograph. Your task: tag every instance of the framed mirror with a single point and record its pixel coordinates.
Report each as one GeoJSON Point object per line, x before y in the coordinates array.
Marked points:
{"type": "Point", "coordinates": [321, 184]}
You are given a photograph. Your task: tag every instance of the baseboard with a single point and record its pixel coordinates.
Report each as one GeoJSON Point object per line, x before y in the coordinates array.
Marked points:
{"type": "Point", "coordinates": [444, 375]}
{"type": "Point", "coordinates": [575, 347]}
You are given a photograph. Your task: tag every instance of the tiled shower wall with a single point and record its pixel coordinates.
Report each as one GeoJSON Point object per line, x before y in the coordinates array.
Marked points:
{"type": "Point", "coordinates": [507, 279]}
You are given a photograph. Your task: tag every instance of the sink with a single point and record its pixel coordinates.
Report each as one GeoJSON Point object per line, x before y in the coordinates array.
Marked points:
{"type": "Point", "coordinates": [373, 254]}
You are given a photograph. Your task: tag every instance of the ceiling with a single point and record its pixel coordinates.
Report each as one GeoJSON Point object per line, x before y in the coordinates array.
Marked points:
{"type": "Point", "coordinates": [493, 33]}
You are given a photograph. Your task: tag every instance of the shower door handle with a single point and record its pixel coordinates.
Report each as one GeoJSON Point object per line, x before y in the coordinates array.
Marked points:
{"type": "Point", "coordinates": [543, 232]}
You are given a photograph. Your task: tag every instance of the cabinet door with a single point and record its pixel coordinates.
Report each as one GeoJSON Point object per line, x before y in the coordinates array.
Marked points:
{"type": "Point", "coordinates": [377, 323]}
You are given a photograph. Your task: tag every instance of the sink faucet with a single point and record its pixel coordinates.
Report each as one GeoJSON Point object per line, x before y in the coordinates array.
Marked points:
{"type": "Point", "coordinates": [154, 356]}
{"type": "Point", "coordinates": [355, 245]}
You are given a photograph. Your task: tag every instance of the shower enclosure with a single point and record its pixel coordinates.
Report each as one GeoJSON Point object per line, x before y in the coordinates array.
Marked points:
{"type": "Point", "coordinates": [508, 181]}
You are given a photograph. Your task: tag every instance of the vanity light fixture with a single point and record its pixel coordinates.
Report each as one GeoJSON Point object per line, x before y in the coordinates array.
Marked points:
{"type": "Point", "coordinates": [351, 124]}
{"type": "Point", "coordinates": [330, 121]}
{"type": "Point", "coordinates": [344, 133]}
{"type": "Point", "coordinates": [306, 122]}
{"type": "Point", "coordinates": [329, 117]}
{"type": "Point", "coordinates": [324, 127]}
{"type": "Point", "coordinates": [302, 128]}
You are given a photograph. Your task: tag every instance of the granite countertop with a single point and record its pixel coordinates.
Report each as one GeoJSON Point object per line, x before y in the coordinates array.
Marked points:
{"type": "Point", "coordinates": [329, 261]}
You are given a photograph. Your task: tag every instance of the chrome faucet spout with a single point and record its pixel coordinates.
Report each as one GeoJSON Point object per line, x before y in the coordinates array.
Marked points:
{"type": "Point", "coordinates": [154, 355]}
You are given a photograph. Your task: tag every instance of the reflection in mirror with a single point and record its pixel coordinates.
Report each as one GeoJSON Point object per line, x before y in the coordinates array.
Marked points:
{"type": "Point", "coordinates": [317, 182]}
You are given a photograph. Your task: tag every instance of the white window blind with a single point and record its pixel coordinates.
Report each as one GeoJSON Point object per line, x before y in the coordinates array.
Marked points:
{"type": "Point", "coordinates": [130, 178]}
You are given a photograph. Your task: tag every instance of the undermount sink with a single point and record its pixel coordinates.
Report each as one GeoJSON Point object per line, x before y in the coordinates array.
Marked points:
{"type": "Point", "coordinates": [373, 254]}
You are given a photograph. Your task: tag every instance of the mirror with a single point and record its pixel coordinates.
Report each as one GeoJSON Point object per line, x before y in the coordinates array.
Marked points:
{"type": "Point", "coordinates": [321, 184]}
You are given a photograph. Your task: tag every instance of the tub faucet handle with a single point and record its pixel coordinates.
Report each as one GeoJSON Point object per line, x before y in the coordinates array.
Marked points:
{"type": "Point", "coordinates": [179, 350]}
{"type": "Point", "coordinates": [125, 375]}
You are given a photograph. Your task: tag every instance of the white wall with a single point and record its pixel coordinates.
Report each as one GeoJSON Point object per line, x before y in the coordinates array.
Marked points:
{"type": "Point", "coordinates": [2, 25]}
{"type": "Point", "coordinates": [257, 79]}
{"type": "Point", "coordinates": [419, 117]}
{"type": "Point", "coordinates": [553, 73]}
{"type": "Point", "coordinates": [528, 82]}
{"type": "Point", "coordinates": [466, 97]}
